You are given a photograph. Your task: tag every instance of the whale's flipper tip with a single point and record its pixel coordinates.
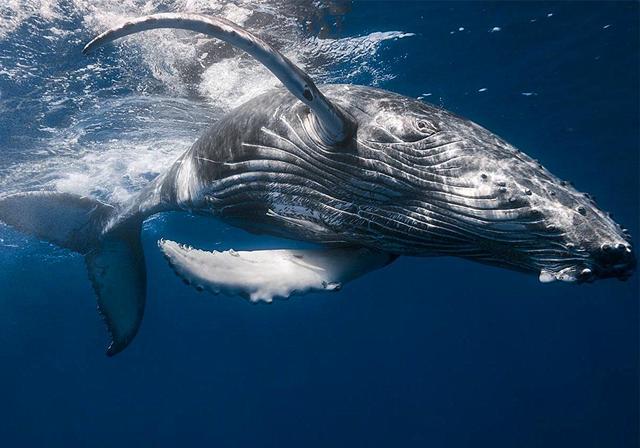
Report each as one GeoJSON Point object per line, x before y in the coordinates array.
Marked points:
{"type": "Point", "coordinates": [96, 42]}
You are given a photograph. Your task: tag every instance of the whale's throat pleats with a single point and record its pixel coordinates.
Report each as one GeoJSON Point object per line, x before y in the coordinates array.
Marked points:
{"type": "Point", "coordinates": [332, 125]}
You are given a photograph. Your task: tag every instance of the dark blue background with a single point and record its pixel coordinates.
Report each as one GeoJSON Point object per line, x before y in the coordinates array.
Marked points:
{"type": "Point", "coordinates": [427, 352]}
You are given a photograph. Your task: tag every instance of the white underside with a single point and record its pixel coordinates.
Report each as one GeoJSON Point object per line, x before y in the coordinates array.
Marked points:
{"type": "Point", "coordinates": [264, 274]}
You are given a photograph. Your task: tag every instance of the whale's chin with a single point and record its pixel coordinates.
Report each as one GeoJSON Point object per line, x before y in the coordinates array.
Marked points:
{"type": "Point", "coordinates": [588, 274]}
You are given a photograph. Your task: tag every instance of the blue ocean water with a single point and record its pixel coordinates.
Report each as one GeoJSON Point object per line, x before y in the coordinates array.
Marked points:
{"type": "Point", "coordinates": [427, 352]}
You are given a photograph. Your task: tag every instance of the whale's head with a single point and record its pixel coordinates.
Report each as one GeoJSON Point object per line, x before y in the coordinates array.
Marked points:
{"type": "Point", "coordinates": [471, 194]}
{"type": "Point", "coordinates": [543, 224]}
{"type": "Point", "coordinates": [526, 218]}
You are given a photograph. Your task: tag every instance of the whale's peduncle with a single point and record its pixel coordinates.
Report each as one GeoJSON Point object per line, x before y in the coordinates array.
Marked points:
{"type": "Point", "coordinates": [334, 125]}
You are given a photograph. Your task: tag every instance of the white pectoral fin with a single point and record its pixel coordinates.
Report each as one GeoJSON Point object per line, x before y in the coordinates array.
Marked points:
{"type": "Point", "coordinates": [265, 274]}
{"type": "Point", "coordinates": [334, 126]}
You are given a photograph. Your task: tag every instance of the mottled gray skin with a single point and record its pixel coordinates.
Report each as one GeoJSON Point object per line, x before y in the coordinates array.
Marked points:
{"type": "Point", "coordinates": [413, 180]}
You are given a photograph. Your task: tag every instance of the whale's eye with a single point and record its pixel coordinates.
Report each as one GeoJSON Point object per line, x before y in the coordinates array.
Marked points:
{"type": "Point", "coordinates": [426, 127]}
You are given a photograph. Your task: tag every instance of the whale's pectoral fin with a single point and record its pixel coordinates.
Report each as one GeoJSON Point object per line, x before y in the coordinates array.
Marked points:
{"type": "Point", "coordinates": [265, 274]}
{"type": "Point", "coordinates": [330, 124]}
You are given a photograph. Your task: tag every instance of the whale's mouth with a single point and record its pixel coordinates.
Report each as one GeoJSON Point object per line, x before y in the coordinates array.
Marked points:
{"type": "Point", "coordinates": [569, 274]}
{"type": "Point", "coordinates": [617, 263]}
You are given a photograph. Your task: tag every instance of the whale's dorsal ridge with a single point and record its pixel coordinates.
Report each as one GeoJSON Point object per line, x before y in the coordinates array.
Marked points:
{"type": "Point", "coordinates": [334, 126]}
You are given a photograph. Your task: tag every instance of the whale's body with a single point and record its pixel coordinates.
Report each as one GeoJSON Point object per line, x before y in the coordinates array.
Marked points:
{"type": "Point", "coordinates": [419, 181]}
{"type": "Point", "coordinates": [366, 174]}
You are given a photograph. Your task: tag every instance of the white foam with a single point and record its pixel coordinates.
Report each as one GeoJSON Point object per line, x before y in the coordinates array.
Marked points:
{"type": "Point", "coordinates": [234, 81]}
{"type": "Point", "coordinates": [112, 143]}
{"type": "Point", "coordinates": [14, 12]}
{"type": "Point", "coordinates": [341, 60]}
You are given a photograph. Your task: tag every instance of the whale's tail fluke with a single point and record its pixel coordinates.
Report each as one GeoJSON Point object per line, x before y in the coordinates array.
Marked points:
{"type": "Point", "coordinates": [114, 258]}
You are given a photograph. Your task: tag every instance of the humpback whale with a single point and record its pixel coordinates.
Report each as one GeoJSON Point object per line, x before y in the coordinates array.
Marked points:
{"type": "Point", "coordinates": [366, 174]}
